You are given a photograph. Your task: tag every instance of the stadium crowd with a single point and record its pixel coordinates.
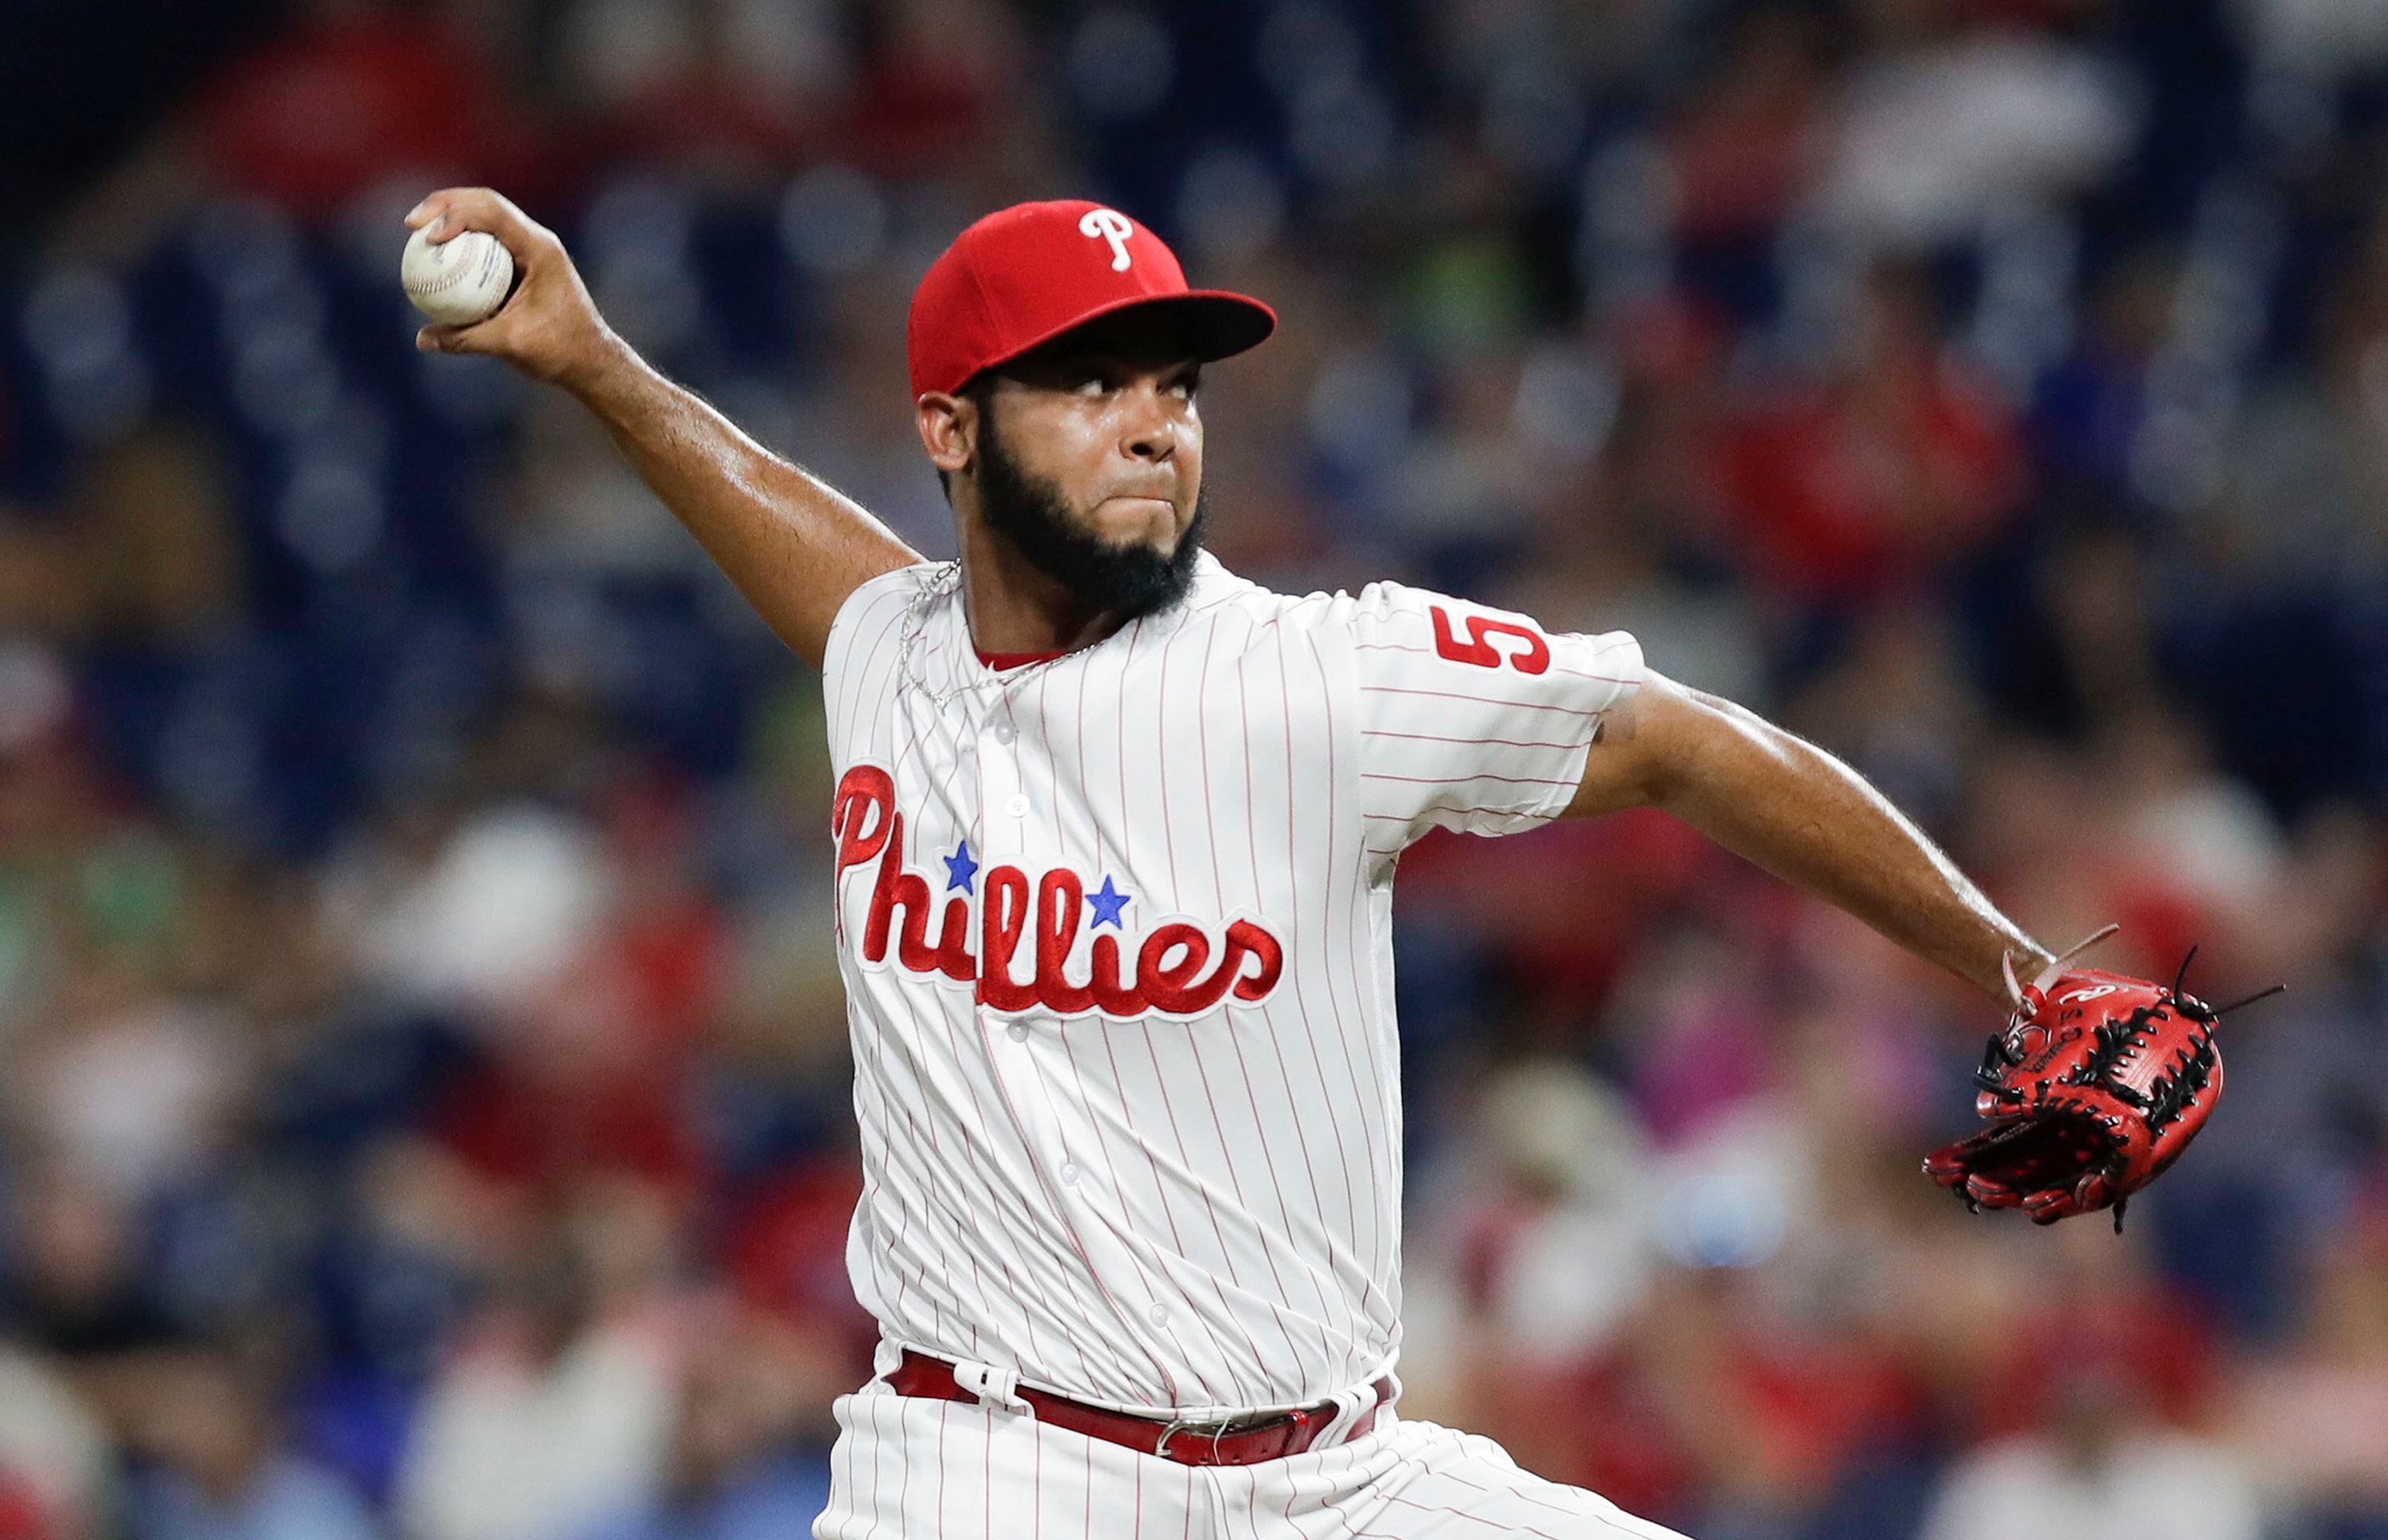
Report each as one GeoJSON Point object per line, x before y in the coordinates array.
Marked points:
{"type": "Point", "coordinates": [425, 1105]}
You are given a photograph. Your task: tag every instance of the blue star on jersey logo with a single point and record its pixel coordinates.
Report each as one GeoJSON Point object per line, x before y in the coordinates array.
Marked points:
{"type": "Point", "coordinates": [1108, 902]}
{"type": "Point", "coordinates": [960, 870]}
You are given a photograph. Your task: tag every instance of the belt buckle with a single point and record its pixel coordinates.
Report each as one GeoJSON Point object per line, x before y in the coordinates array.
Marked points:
{"type": "Point", "coordinates": [1218, 1430]}
{"type": "Point", "coordinates": [1213, 1429]}
{"type": "Point", "coordinates": [1168, 1431]}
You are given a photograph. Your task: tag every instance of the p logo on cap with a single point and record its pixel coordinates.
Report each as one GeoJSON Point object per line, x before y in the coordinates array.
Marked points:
{"type": "Point", "coordinates": [1109, 224]}
{"type": "Point", "coordinates": [1023, 275]}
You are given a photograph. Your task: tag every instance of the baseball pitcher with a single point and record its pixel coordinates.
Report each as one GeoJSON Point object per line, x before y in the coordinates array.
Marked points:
{"type": "Point", "coordinates": [1115, 836]}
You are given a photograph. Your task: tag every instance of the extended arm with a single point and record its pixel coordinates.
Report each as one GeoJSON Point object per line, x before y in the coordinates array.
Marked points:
{"type": "Point", "coordinates": [1793, 809]}
{"type": "Point", "coordinates": [793, 546]}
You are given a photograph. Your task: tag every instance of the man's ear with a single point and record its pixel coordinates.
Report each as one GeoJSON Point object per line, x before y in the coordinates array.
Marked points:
{"type": "Point", "coordinates": [948, 427]}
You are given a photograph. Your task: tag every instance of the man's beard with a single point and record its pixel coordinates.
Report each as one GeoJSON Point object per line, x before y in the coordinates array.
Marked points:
{"type": "Point", "coordinates": [1031, 515]}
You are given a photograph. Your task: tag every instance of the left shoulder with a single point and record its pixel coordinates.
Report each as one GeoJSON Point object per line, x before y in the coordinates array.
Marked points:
{"type": "Point", "coordinates": [1218, 596]}
{"type": "Point", "coordinates": [1391, 617]}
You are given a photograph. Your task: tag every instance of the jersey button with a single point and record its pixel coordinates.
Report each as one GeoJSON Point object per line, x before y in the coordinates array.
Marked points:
{"type": "Point", "coordinates": [1159, 1314]}
{"type": "Point", "coordinates": [1017, 805]}
{"type": "Point", "coordinates": [1069, 1173]}
{"type": "Point", "coordinates": [1005, 732]}
{"type": "Point", "coordinates": [1019, 1032]}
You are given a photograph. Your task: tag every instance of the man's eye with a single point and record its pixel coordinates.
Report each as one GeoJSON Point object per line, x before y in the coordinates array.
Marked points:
{"type": "Point", "coordinates": [1093, 385]}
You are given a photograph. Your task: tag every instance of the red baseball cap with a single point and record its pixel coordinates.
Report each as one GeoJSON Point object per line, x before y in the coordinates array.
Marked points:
{"type": "Point", "coordinates": [1025, 274]}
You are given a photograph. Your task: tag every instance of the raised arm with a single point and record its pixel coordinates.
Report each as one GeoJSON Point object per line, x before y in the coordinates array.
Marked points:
{"type": "Point", "coordinates": [793, 546]}
{"type": "Point", "coordinates": [1793, 809]}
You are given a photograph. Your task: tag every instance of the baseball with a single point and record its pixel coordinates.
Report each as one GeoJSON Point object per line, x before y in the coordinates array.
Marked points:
{"type": "Point", "coordinates": [458, 280]}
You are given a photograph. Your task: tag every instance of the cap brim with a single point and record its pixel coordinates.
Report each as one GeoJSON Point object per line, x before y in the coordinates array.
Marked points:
{"type": "Point", "coordinates": [1214, 323]}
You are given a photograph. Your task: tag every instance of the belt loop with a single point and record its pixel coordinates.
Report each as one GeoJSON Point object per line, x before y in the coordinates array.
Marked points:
{"type": "Point", "coordinates": [994, 1385]}
{"type": "Point", "coordinates": [1349, 1408]}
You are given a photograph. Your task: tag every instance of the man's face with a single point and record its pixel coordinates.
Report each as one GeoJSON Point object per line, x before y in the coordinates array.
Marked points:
{"type": "Point", "coordinates": [1089, 463]}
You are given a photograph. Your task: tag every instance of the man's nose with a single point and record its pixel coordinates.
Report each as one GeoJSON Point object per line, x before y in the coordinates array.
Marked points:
{"type": "Point", "coordinates": [1151, 429]}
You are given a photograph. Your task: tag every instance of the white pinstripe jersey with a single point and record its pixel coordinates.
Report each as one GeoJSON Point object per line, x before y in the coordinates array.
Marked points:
{"type": "Point", "coordinates": [1115, 931]}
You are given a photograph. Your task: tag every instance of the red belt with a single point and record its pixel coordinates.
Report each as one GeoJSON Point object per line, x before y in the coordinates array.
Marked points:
{"type": "Point", "coordinates": [1187, 1442]}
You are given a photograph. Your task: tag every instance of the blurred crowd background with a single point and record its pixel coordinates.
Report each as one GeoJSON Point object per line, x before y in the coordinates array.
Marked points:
{"type": "Point", "coordinates": [423, 1072]}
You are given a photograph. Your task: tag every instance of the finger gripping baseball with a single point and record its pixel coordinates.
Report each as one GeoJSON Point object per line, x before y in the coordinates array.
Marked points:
{"type": "Point", "coordinates": [2095, 1087]}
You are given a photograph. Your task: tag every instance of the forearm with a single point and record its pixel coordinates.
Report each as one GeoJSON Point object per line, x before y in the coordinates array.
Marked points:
{"type": "Point", "coordinates": [1796, 811]}
{"type": "Point", "coordinates": [793, 547]}
{"type": "Point", "coordinates": [792, 544]}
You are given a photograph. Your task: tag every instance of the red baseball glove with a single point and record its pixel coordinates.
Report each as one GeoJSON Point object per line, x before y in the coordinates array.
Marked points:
{"type": "Point", "coordinates": [2095, 1087]}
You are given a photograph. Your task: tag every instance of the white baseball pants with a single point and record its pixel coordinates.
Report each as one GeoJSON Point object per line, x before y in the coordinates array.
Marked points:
{"type": "Point", "coordinates": [908, 1468]}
